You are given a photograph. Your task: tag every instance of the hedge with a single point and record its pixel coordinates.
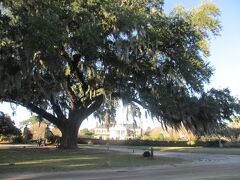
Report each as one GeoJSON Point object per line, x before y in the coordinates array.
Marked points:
{"type": "Point", "coordinates": [131, 142]}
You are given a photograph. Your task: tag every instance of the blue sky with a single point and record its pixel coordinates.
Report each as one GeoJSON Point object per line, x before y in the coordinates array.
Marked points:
{"type": "Point", "coordinates": [225, 51]}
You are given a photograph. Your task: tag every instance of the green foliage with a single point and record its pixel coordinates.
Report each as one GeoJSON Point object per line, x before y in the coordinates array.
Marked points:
{"type": "Point", "coordinates": [16, 139]}
{"type": "Point", "coordinates": [33, 120]}
{"type": "Point", "coordinates": [64, 60]}
{"type": "Point", "coordinates": [107, 112]}
{"type": "Point", "coordinates": [231, 131]}
{"type": "Point", "coordinates": [86, 133]}
{"type": "Point", "coordinates": [30, 121]}
{"type": "Point", "coordinates": [159, 137]}
{"type": "Point", "coordinates": [236, 121]}
{"type": "Point", "coordinates": [153, 134]}
{"type": "Point", "coordinates": [7, 126]}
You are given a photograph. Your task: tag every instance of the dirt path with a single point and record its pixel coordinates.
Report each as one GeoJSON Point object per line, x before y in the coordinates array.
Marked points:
{"type": "Point", "coordinates": [192, 158]}
{"type": "Point", "coordinates": [170, 172]}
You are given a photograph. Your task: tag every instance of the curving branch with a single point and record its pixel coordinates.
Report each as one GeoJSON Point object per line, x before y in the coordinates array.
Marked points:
{"type": "Point", "coordinates": [96, 102]}
{"type": "Point", "coordinates": [74, 67]}
{"type": "Point", "coordinates": [51, 118]}
{"type": "Point", "coordinates": [72, 95]}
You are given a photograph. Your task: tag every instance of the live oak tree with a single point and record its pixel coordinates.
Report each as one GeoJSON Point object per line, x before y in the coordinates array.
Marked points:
{"type": "Point", "coordinates": [65, 59]}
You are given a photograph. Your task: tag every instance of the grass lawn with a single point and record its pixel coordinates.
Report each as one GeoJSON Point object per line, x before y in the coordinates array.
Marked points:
{"type": "Point", "coordinates": [213, 150]}
{"type": "Point", "coordinates": [51, 159]}
{"type": "Point", "coordinates": [231, 151]}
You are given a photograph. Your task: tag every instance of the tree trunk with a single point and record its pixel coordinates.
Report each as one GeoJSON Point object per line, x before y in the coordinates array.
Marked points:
{"type": "Point", "coordinates": [69, 135]}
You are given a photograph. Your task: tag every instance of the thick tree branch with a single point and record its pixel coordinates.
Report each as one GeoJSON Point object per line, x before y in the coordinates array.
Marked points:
{"type": "Point", "coordinates": [51, 118]}
{"type": "Point", "coordinates": [74, 67]}
{"type": "Point", "coordinates": [96, 103]}
{"type": "Point", "coordinates": [57, 109]}
{"type": "Point", "coordinates": [89, 107]}
{"type": "Point", "coordinates": [72, 95]}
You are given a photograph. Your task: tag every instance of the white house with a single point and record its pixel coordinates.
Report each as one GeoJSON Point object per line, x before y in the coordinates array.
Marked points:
{"type": "Point", "coordinates": [118, 132]}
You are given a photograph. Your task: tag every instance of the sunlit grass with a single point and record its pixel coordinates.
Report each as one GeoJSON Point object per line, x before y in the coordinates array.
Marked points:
{"type": "Point", "coordinates": [230, 151]}
{"type": "Point", "coordinates": [59, 160]}
{"type": "Point", "coordinates": [44, 159]}
{"type": "Point", "coordinates": [198, 149]}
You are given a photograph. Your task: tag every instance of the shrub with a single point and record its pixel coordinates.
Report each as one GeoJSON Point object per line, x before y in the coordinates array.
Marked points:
{"type": "Point", "coordinates": [146, 154]}
{"type": "Point", "coordinates": [16, 139]}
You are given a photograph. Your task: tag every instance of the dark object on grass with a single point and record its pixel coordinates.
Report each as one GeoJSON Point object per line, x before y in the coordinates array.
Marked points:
{"type": "Point", "coordinates": [146, 154]}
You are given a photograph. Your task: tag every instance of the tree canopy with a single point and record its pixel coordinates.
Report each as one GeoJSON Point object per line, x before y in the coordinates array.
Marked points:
{"type": "Point", "coordinates": [65, 59]}
{"type": "Point", "coordinates": [7, 126]}
{"type": "Point", "coordinates": [33, 120]}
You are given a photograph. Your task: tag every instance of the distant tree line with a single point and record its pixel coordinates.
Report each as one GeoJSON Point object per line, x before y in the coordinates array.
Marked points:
{"type": "Point", "coordinates": [8, 130]}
